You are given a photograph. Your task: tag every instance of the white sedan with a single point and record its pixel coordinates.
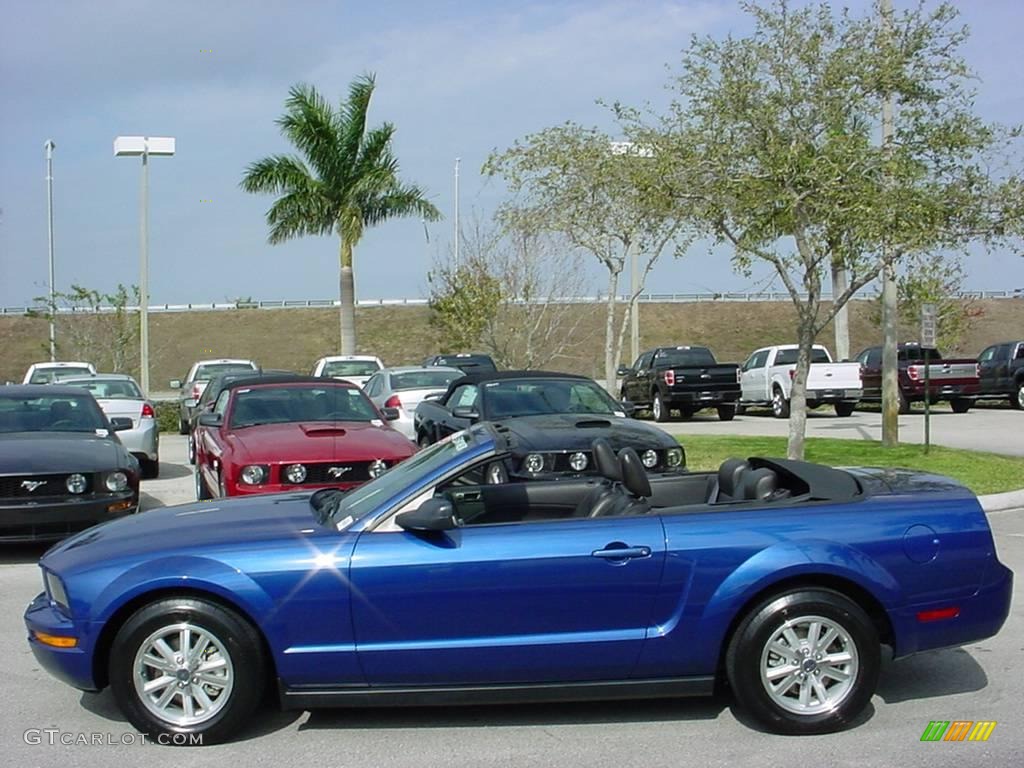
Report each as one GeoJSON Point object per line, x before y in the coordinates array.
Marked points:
{"type": "Point", "coordinates": [404, 388]}
{"type": "Point", "coordinates": [119, 395]}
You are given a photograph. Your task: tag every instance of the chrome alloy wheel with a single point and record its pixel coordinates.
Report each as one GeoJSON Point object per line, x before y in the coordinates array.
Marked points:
{"type": "Point", "coordinates": [183, 674]}
{"type": "Point", "coordinates": [809, 665]}
{"type": "Point", "coordinates": [778, 404]}
{"type": "Point", "coordinates": [657, 408]}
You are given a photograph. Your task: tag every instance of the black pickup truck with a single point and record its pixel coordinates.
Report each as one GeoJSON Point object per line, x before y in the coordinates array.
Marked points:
{"type": "Point", "coordinates": [1001, 368]}
{"type": "Point", "coordinates": [685, 378]}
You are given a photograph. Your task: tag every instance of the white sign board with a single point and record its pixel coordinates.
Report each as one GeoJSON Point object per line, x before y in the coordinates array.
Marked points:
{"type": "Point", "coordinates": [929, 323]}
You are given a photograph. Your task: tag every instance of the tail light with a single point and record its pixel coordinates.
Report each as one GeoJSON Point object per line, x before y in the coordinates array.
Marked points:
{"type": "Point", "coordinates": [861, 372]}
{"type": "Point", "coordinates": [792, 374]}
{"type": "Point", "coordinates": [147, 411]}
{"type": "Point", "coordinates": [913, 373]}
{"type": "Point", "coordinates": [196, 391]}
{"type": "Point", "coordinates": [977, 370]}
{"type": "Point", "coordinates": [393, 402]}
{"type": "Point", "coordinates": [670, 377]}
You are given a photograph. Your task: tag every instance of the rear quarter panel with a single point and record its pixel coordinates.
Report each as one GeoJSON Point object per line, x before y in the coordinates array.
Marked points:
{"type": "Point", "coordinates": [719, 562]}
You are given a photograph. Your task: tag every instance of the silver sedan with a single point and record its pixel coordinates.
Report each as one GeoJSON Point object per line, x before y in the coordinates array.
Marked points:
{"type": "Point", "coordinates": [119, 395]}
{"type": "Point", "coordinates": [404, 388]}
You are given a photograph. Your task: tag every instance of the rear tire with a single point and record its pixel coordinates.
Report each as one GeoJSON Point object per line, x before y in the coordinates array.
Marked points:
{"type": "Point", "coordinates": [903, 405]}
{"type": "Point", "coordinates": [780, 405]}
{"type": "Point", "coordinates": [1017, 399]}
{"type": "Point", "coordinates": [844, 409]}
{"type": "Point", "coordinates": [658, 410]}
{"type": "Point", "coordinates": [805, 661]}
{"type": "Point", "coordinates": [960, 405]}
{"type": "Point", "coordinates": [227, 667]}
{"type": "Point", "coordinates": [727, 412]}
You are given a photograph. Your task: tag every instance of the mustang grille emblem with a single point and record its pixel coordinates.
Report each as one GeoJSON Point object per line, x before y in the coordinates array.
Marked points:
{"type": "Point", "coordinates": [31, 485]}
{"type": "Point", "coordinates": [338, 471]}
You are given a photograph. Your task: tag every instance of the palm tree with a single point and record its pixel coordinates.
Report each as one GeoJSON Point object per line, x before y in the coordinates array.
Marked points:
{"type": "Point", "coordinates": [347, 181]}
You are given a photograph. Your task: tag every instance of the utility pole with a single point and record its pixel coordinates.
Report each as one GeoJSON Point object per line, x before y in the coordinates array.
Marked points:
{"type": "Point", "coordinates": [144, 277]}
{"type": "Point", "coordinates": [457, 211]}
{"type": "Point", "coordinates": [50, 146]}
{"type": "Point", "coordinates": [890, 381]}
{"type": "Point", "coordinates": [634, 290]}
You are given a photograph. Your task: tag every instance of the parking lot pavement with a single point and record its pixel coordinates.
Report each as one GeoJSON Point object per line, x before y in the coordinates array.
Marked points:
{"type": "Point", "coordinates": [978, 682]}
{"type": "Point", "coordinates": [175, 484]}
{"type": "Point", "coordinates": [1000, 430]}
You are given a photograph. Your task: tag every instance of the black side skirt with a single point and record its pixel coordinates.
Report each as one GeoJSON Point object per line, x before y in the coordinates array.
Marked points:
{"type": "Point", "coordinates": [314, 697]}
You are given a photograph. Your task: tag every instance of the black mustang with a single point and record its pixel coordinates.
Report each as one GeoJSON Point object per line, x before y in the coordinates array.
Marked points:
{"type": "Point", "coordinates": [62, 468]}
{"type": "Point", "coordinates": [553, 419]}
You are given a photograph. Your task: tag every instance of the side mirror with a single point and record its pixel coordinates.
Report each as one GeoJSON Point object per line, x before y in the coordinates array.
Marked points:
{"type": "Point", "coordinates": [390, 413]}
{"type": "Point", "coordinates": [628, 408]}
{"type": "Point", "coordinates": [120, 423]}
{"type": "Point", "coordinates": [465, 412]}
{"type": "Point", "coordinates": [431, 515]}
{"type": "Point", "coordinates": [210, 419]}
{"type": "Point", "coordinates": [623, 370]}
{"type": "Point", "coordinates": [175, 383]}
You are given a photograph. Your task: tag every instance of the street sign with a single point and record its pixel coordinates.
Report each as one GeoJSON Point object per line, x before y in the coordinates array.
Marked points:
{"type": "Point", "coordinates": [929, 323]}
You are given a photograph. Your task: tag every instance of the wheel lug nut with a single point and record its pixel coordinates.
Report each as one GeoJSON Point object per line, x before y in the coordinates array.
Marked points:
{"type": "Point", "coordinates": [178, 659]}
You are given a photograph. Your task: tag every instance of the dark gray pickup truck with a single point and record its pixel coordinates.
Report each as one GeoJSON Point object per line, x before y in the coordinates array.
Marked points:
{"type": "Point", "coordinates": [684, 378]}
{"type": "Point", "coordinates": [1001, 368]}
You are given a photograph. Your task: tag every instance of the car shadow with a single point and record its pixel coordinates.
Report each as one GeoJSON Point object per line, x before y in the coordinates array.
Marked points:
{"type": "Point", "coordinates": [512, 715]}
{"type": "Point", "coordinates": [930, 675]}
{"type": "Point", "coordinates": [23, 553]}
{"type": "Point", "coordinates": [170, 471]}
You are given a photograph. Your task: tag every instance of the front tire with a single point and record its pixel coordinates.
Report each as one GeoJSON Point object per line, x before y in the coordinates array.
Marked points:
{"type": "Point", "coordinates": [184, 666]}
{"type": "Point", "coordinates": [202, 492]}
{"type": "Point", "coordinates": [182, 426]}
{"type": "Point", "coordinates": [780, 405]}
{"type": "Point", "coordinates": [804, 662]}
{"type": "Point", "coordinates": [960, 405]}
{"type": "Point", "coordinates": [658, 410]}
{"type": "Point", "coordinates": [191, 449]}
{"type": "Point", "coordinates": [150, 468]}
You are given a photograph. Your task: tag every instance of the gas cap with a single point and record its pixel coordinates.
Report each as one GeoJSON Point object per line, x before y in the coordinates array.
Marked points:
{"type": "Point", "coordinates": [921, 543]}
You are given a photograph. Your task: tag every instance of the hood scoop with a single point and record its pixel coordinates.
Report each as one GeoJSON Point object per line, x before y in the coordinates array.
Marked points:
{"type": "Point", "coordinates": [325, 430]}
{"type": "Point", "coordinates": [593, 424]}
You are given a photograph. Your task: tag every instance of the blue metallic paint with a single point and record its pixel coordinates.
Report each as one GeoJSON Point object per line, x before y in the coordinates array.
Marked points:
{"type": "Point", "coordinates": [521, 602]}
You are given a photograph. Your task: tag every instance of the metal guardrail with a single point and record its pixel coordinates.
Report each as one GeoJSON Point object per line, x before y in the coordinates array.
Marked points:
{"type": "Point", "coordinates": [644, 298]}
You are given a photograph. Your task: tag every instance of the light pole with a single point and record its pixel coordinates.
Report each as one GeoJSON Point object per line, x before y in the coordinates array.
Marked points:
{"type": "Point", "coordinates": [143, 146]}
{"type": "Point", "coordinates": [457, 212]}
{"type": "Point", "coordinates": [49, 146]}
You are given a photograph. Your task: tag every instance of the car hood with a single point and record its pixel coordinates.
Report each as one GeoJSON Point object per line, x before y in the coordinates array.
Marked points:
{"type": "Point", "coordinates": [49, 452]}
{"type": "Point", "coordinates": [321, 441]}
{"type": "Point", "coordinates": [201, 526]}
{"type": "Point", "coordinates": [574, 431]}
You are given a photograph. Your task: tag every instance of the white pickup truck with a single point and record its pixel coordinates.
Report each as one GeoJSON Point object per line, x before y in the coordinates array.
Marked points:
{"type": "Point", "coordinates": [767, 379]}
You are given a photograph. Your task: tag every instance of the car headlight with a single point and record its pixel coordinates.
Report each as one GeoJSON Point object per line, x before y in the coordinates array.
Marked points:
{"type": "Point", "coordinates": [76, 483]}
{"type": "Point", "coordinates": [55, 589]}
{"type": "Point", "coordinates": [534, 463]}
{"type": "Point", "coordinates": [253, 474]}
{"type": "Point", "coordinates": [116, 481]}
{"type": "Point", "coordinates": [295, 473]}
{"type": "Point", "coordinates": [649, 458]}
{"type": "Point", "coordinates": [377, 468]}
{"type": "Point", "coordinates": [674, 457]}
{"type": "Point", "coordinates": [578, 461]}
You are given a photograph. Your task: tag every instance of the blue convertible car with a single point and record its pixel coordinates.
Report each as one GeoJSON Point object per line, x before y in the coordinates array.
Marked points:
{"type": "Point", "coordinates": [428, 585]}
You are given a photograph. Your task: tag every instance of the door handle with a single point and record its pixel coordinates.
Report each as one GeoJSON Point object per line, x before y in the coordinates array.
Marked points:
{"type": "Point", "coordinates": [467, 496]}
{"type": "Point", "coordinates": [622, 553]}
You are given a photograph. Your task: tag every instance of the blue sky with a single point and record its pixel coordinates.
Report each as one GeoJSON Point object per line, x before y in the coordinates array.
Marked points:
{"type": "Point", "coordinates": [457, 78]}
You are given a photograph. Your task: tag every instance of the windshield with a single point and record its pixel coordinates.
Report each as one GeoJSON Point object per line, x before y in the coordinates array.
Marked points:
{"type": "Point", "coordinates": [788, 356]}
{"type": "Point", "coordinates": [283, 404]}
{"type": "Point", "coordinates": [108, 389]}
{"type": "Point", "coordinates": [347, 507]}
{"type": "Point", "coordinates": [207, 372]}
{"type": "Point", "coordinates": [469, 363]}
{"type": "Point", "coordinates": [920, 353]}
{"type": "Point", "coordinates": [425, 379]}
{"type": "Point", "coordinates": [49, 375]}
{"type": "Point", "coordinates": [533, 397]}
{"type": "Point", "coordinates": [351, 368]}
{"type": "Point", "coordinates": [685, 357]}
{"type": "Point", "coordinates": [51, 413]}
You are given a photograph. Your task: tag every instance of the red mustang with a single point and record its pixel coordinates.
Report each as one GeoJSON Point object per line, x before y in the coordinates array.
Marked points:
{"type": "Point", "coordinates": [275, 434]}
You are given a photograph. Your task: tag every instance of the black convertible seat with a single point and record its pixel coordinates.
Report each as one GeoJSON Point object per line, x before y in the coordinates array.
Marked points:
{"type": "Point", "coordinates": [730, 480]}
{"type": "Point", "coordinates": [760, 484]}
{"type": "Point", "coordinates": [598, 501]}
{"type": "Point", "coordinates": [631, 497]}
{"type": "Point", "coordinates": [605, 460]}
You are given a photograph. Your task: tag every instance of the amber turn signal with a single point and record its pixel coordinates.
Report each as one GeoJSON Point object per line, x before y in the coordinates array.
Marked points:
{"type": "Point", "coordinates": [57, 641]}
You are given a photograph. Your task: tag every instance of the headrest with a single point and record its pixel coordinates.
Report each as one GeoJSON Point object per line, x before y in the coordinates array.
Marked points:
{"type": "Point", "coordinates": [606, 461]}
{"type": "Point", "coordinates": [759, 484]}
{"type": "Point", "coordinates": [634, 474]}
{"type": "Point", "coordinates": [730, 476]}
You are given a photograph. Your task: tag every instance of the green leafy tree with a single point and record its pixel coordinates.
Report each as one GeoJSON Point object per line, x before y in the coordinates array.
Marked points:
{"type": "Point", "coordinates": [346, 180]}
{"type": "Point", "coordinates": [607, 201]}
{"type": "Point", "coordinates": [774, 136]}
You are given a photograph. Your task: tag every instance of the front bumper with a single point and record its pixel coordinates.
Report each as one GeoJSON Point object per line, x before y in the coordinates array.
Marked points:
{"type": "Point", "coordinates": [57, 519]}
{"type": "Point", "coordinates": [241, 489]}
{"type": "Point", "coordinates": [69, 665]}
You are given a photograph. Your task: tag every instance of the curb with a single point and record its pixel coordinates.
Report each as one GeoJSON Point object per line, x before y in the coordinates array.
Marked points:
{"type": "Point", "coordinates": [1002, 502]}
